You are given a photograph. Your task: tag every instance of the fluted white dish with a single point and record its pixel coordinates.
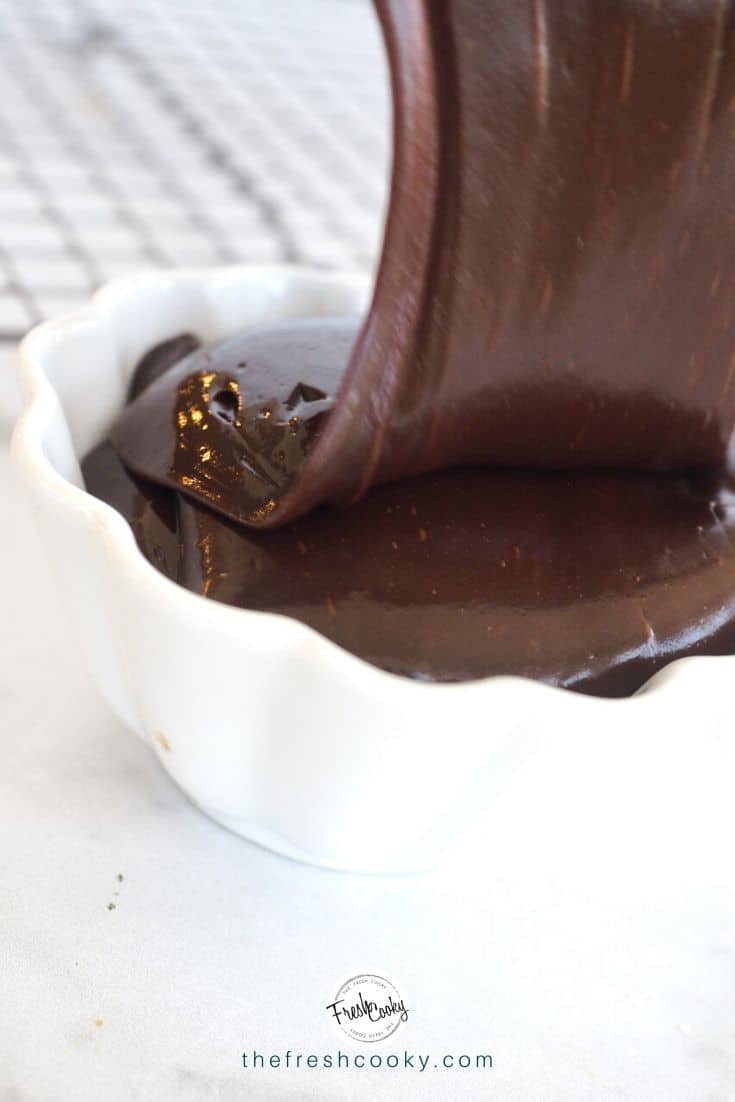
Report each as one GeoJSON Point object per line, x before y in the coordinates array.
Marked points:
{"type": "Point", "coordinates": [272, 730]}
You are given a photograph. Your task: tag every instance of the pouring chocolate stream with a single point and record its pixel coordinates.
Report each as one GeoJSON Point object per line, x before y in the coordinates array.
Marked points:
{"type": "Point", "coordinates": [557, 280]}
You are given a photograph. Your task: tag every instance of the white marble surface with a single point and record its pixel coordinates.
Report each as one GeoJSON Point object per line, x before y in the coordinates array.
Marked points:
{"type": "Point", "coordinates": [586, 939]}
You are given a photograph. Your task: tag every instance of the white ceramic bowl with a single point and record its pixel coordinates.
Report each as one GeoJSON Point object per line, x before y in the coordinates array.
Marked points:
{"type": "Point", "coordinates": [331, 760]}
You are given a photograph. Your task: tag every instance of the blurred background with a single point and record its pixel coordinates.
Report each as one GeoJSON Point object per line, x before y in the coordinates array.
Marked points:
{"type": "Point", "coordinates": [151, 133]}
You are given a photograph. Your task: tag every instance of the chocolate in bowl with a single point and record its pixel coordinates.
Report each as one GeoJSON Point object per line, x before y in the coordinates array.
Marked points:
{"type": "Point", "coordinates": [589, 580]}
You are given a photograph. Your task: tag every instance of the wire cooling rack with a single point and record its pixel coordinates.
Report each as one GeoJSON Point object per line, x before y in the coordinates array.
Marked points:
{"type": "Point", "coordinates": [147, 133]}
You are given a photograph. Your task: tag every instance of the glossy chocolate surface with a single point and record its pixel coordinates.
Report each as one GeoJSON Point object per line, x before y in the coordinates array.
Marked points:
{"type": "Point", "coordinates": [558, 276]}
{"type": "Point", "coordinates": [231, 425]}
{"type": "Point", "coordinates": [591, 580]}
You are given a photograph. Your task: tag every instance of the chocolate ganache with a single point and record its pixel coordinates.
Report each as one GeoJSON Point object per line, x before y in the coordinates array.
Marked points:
{"type": "Point", "coordinates": [557, 280]}
{"type": "Point", "coordinates": [588, 579]}
{"type": "Point", "coordinates": [531, 425]}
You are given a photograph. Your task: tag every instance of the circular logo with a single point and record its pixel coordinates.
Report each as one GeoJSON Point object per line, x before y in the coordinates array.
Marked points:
{"type": "Point", "coordinates": [368, 1008]}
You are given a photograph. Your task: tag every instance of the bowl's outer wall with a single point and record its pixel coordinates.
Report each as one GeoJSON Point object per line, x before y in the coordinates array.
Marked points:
{"type": "Point", "coordinates": [330, 761]}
